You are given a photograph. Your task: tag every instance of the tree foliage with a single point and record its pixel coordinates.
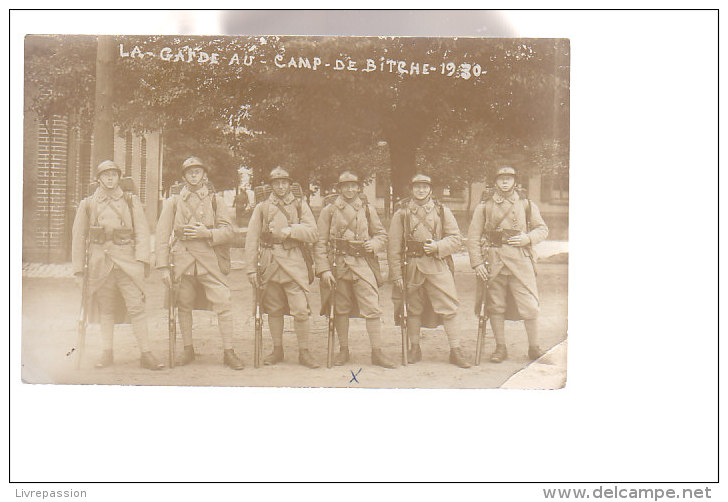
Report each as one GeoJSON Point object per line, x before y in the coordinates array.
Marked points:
{"type": "Point", "coordinates": [319, 122]}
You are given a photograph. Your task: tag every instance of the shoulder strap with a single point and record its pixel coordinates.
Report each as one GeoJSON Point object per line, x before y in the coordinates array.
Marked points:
{"type": "Point", "coordinates": [528, 215]}
{"type": "Point", "coordinates": [128, 196]}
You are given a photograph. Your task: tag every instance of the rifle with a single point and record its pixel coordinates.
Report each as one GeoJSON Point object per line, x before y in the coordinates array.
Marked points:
{"type": "Point", "coordinates": [172, 314]}
{"type": "Point", "coordinates": [332, 311]}
{"type": "Point", "coordinates": [482, 321]}
{"type": "Point", "coordinates": [405, 262]}
{"type": "Point", "coordinates": [83, 313]}
{"type": "Point", "coordinates": [258, 313]}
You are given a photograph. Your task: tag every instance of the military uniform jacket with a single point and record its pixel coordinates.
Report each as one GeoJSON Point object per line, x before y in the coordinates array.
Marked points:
{"type": "Point", "coordinates": [510, 210]}
{"type": "Point", "coordinates": [188, 208]}
{"type": "Point", "coordinates": [342, 220]}
{"type": "Point", "coordinates": [283, 261]}
{"type": "Point", "coordinates": [110, 210]}
{"type": "Point", "coordinates": [423, 222]}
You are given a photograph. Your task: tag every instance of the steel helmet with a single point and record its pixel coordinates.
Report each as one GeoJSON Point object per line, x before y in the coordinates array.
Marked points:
{"type": "Point", "coordinates": [505, 170]}
{"type": "Point", "coordinates": [279, 173]}
{"type": "Point", "coordinates": [193, 162]}
{"type": "Point", "coordinates": [421, 178]}
{"type": "Point", "coordinates": [107, 165]}
{"type": "Point", "coordinates": [348, 177]}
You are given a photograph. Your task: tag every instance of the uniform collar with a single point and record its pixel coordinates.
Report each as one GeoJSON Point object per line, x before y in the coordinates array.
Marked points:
{"type": "Point", "coordinates": [499, 196]}
{"type": "Point", "coordinates": [185, 193]}
{"type": "Point", "coordinates": [287, 199]}
{"type": "Point", "coordinates": [341, 203]}
{"type": "Point", "coordinates": [427, 206]}
{"type": "Point", "coordinates": [103, 194]}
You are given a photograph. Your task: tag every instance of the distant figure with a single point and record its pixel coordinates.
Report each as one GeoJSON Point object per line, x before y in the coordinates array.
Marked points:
{"type": "Point", "coordinates": [241, 205]}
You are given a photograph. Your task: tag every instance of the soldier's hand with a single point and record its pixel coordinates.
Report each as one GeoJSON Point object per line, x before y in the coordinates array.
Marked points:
{"type": "Point", "coordinates": [368, 246]}
{"type": "Point", "coordinates": [328, 278]}
{"type": "Point", "coordinates": [481, 272]}
{"type": "Point", "coordinates": [430, 247]}
{"type": "Point", "coordinates": [399, 283]}
{"type": "Point", "coordinates": [253, 280]}
{"type": "Point", "coordinates": [78, 279]}
{"type": "Point", "coordinates": [286, 232]}
{"type": "Point", "coordinates": [166, 276]}
{"type": "Point", "coordinates": [197, 231]}
{"type": "Point", "coordinates": [519, 240]}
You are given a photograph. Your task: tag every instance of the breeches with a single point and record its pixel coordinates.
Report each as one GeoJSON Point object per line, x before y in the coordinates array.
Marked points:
{"type": "Point", "coordinates": [277, 295]}
{"type": "Point", "coordinates": [357, 293]}
{"type": "Point", "coordinates": [432, 287]}
{"type": "Point", "coordinates": [216, 292]}
{"type": "Point", "coordinates": [498, 287]}
{"type": "Point", "coordinates": [133, 296]}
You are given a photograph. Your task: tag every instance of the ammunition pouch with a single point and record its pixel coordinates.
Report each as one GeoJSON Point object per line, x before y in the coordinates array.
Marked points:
{"type": "Point", "coordinates": [350, 248]}
{"type": "Point", "coordinates": [97, 234]}
{"type": "Point", "coordinates": [415, 249]}
{"type": "Point", "coordinates": [123, 236]}
{"type": "Point", "coordinates": [498, 238]}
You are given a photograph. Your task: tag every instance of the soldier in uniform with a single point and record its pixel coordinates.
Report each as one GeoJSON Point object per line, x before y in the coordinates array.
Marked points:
{"type": "Point", "coordinates": [507, 226]}
{"type": "Point", "coordinates": [118, 259]}
{"type": "Point", "coordinates": [198, 222]}
{"type": "Point", "coordinates": [279, 228]}
{"type": "Point", "coordinates": [350, 233]}
{"type": "Point", "coordinates": [431, 234]}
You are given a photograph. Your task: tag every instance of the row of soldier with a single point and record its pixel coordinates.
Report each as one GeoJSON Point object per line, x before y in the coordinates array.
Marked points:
{"type": "Point", "coordinates": [111, 258]}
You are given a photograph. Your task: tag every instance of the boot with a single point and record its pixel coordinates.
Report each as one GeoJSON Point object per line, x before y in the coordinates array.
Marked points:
{"type": "Point", "coordinates": [305, 358]}
{"type": "Point", "coordinates": [342, 357]}
{"type": "Point", "coordinates": [379, 359]}
{"type": "Point", "coordinates": [499, 354]}
{"type": "Point", "coordinates": [458, 359]}
{"type": "Point", "coordinates": [188, 355]}
{"type": "Point", "coordinates": [534, 352]}
{"type": "Point", "coordinates": [231, 360]}
{"type": "Point", "coordinates": [149, 362]}
{"type": "Point", "coordinates": [414, 354]}
{"type": "Point", "coordinates": [107, 359]}
{"type": "Point", "coordinates": [274, 357]}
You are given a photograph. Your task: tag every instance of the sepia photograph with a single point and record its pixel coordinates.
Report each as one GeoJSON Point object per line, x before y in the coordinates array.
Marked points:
{"type": "Point", "coordinates": [269, 253]}
{"type": "Point", "coordinates": [385, 212]}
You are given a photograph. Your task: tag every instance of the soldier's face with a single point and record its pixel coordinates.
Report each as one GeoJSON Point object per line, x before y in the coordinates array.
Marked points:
{"type": "Point", "coordinates": [109, 179]}
{"type": "Point", "coordinates": [194, 175]}
{"type": "Point", "coordinates": [349, 190]}
{"type": "Point", "coordinates": [420, 191]}
{"type": "Point", "coordinates": [281, 187]}
{"type": "Point", "coordinates": [505, 182]}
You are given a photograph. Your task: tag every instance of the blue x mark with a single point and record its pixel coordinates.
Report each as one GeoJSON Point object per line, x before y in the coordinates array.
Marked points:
{"type": "Point", "coordinates": [353, 376]}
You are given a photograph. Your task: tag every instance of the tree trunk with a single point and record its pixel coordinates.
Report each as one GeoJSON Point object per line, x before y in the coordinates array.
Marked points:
{"type": "Point", "coordinates": [103, 117]}
{"type": "Point", "coordinates": [403, 164]}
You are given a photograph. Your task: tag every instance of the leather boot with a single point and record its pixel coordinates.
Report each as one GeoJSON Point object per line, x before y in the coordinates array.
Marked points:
{"type": "Point", "coordinates": [379, 359]}
{"type": "Point", "coordinates": [231, 360]}
{"type": "Point", "coordinates": [150, 362]}
{"type": "Point", "coordinates": [274, 357]}
{"type": "Point", "coordinates": [458, 359]}
{"type": "Point", "coordinates": [188, 355]}
{"type": "Point", "coordinates": [342, 357]}
{"type": "Point", "coordinates": [499, 354]}
{"type": "Point", "coordinates": [306, 359]}
{"type": "Point", "coordinates": [106, 359]}
{"type": "Point", "coordinates": [414, 354]}
{"type": "Point", "coordinates": [534, 352]}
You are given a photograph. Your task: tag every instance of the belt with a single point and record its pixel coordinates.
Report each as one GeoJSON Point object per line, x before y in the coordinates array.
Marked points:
{"type": "Point", "coordinates": [350, 248]}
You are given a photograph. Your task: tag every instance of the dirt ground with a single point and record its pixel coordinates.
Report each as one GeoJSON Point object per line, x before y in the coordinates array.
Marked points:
{"type": "Point", "coordinates": [50, 310]}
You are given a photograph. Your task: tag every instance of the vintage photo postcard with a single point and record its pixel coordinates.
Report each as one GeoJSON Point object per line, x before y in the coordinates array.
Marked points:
{"type": "Point", "coordinates": [378, 212]}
